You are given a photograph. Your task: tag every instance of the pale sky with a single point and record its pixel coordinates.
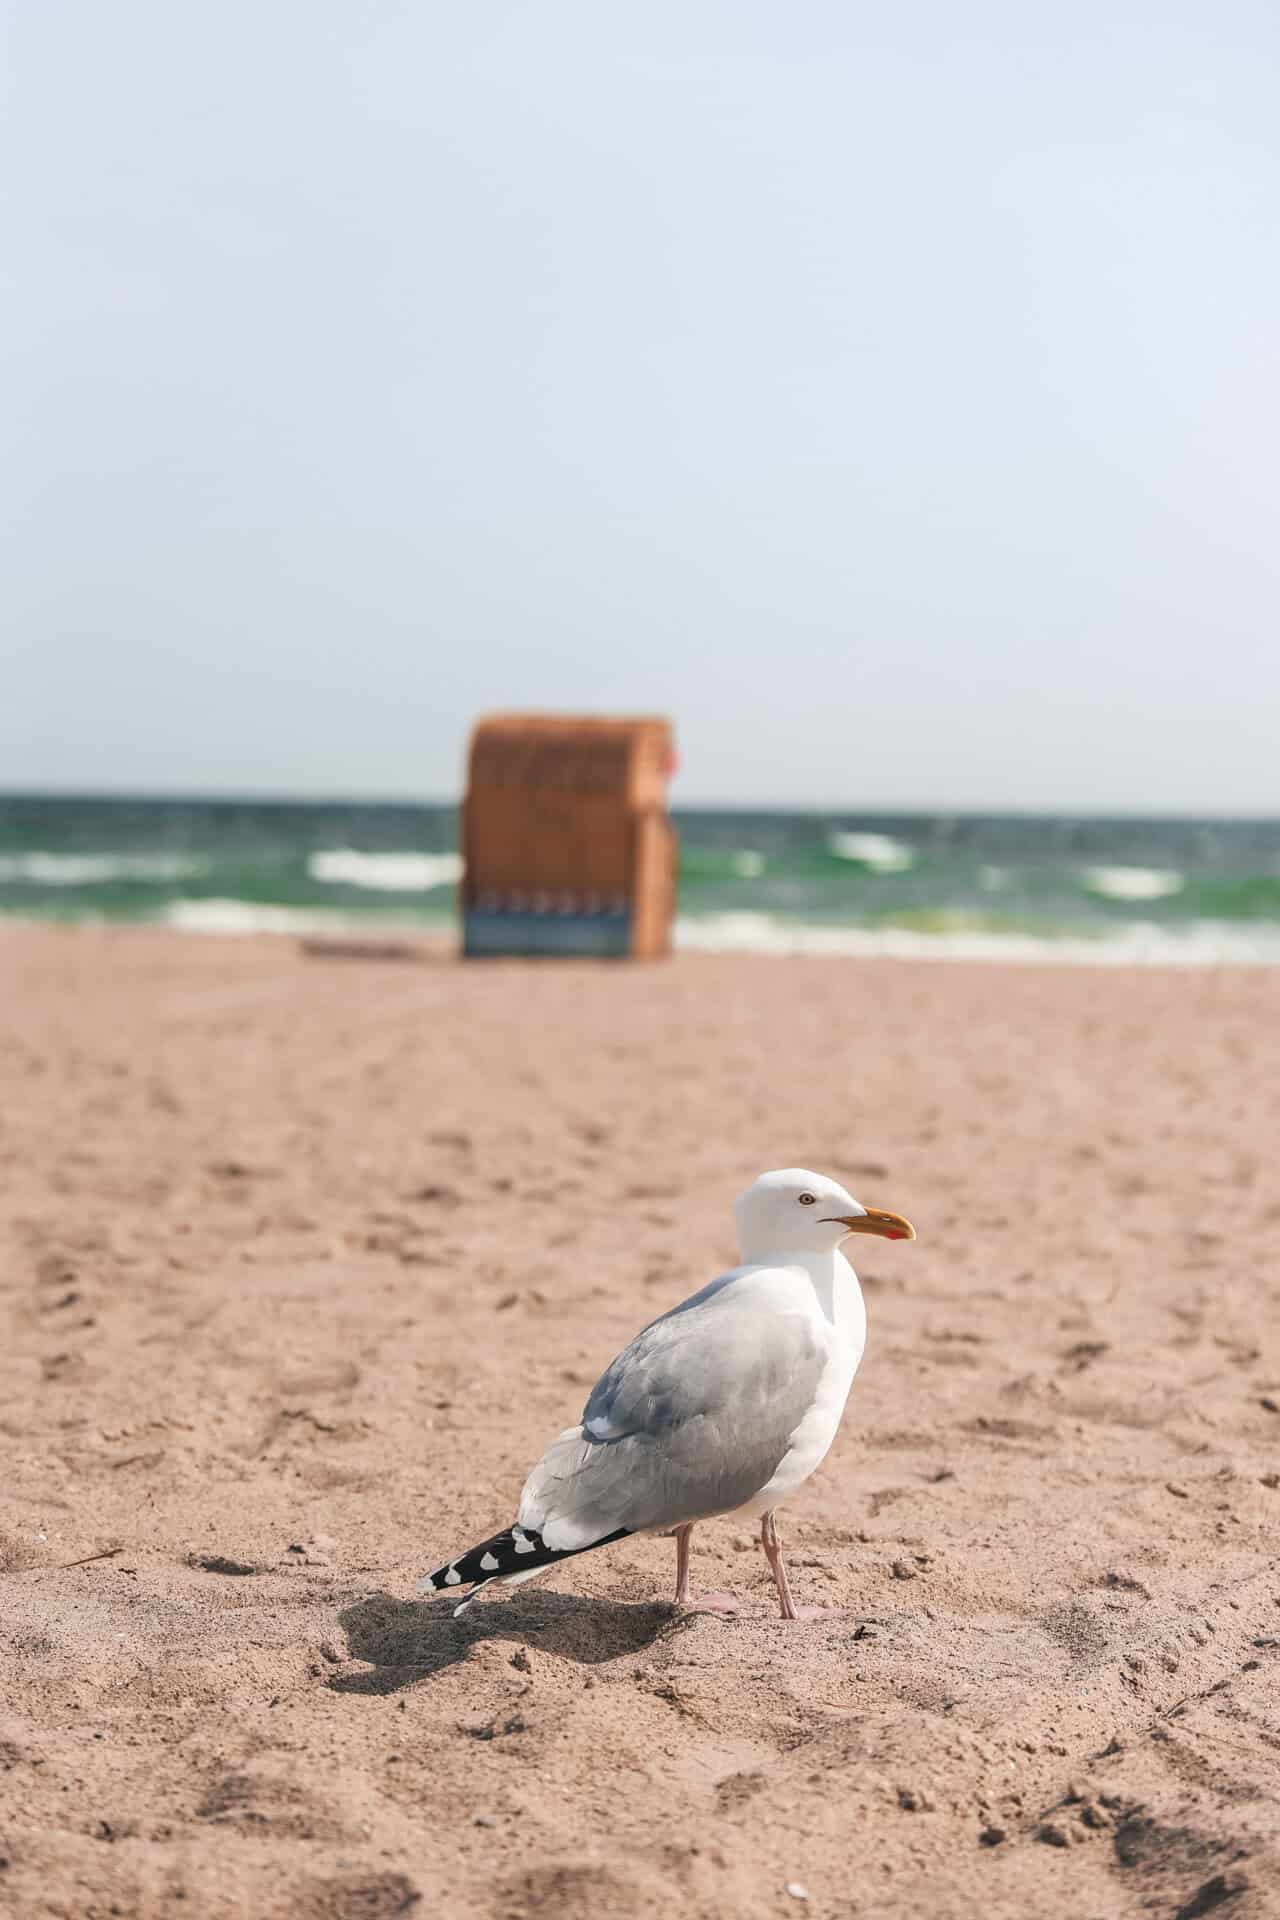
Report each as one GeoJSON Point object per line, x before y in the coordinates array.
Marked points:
{"type": "Point", "coordinates": [888, 394]}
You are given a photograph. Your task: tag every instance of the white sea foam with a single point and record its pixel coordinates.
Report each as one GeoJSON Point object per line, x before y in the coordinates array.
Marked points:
{"type": "Point", "coordinates": [874, 850]}
{"type": "Point", "coordinates": [385, 872]}
{"type": "Point", "coordinates": [255, 916]}
{"type": "Point", "coordinates": [747, 864]}
{"type": "Point", "coordinates": [1134, 883]}
{"type": "Point", "coordinates": [95, 869]}
{"type": "Point", "coordinates": [1204, 943]}
{"type": "Point", "coordinates": [252, 916]}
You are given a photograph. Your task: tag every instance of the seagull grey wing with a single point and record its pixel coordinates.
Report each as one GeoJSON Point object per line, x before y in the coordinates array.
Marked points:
{"type": "Point", "coordinates": [693, 1419]}
{"type": "Point", "coordinates": [684, 1357]}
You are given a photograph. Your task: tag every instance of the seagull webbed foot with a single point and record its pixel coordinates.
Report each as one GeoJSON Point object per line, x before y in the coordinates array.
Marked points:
{"type": "Point", "coordinates": [710, 1603]}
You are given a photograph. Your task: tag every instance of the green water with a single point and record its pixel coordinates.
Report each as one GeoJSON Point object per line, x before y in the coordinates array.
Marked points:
{"type": "Point", "coordinates": [745, 878]}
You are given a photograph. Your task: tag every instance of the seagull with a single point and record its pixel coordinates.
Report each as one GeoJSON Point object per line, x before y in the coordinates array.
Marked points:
{"type": "Point", "coordinates": [724, 1405]}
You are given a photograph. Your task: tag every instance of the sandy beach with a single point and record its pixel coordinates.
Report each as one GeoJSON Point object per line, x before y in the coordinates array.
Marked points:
{"type": "Point", "coordinates": [306, 1259]}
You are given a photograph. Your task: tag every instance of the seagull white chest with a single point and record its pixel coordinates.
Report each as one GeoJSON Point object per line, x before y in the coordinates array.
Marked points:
{"type": "Point", "coordinates": [840, 1322]}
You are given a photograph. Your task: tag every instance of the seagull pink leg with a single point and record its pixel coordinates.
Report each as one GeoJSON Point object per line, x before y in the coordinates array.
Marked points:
{"type": "Point", "coordinates": [682, 1565]}
{"type": "Point", "coordinates": [777, 1566]}
{"type": "Point", "coordinates": [713, 1602]}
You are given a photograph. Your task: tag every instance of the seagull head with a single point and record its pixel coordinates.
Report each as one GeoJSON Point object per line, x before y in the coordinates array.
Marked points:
{"type": "Point", "coordinates": [795, 1211]}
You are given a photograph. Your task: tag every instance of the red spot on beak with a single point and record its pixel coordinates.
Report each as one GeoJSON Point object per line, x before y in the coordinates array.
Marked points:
{"type": "Point", "coordinates": [897, 1236]}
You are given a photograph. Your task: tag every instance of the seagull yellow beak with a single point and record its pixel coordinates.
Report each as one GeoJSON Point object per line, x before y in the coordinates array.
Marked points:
{"type": "Point", "coordinates": [890, 1226]}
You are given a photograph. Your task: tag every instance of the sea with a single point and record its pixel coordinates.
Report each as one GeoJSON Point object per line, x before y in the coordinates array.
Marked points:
{"type": "Point", "coordinates": [925, 885]}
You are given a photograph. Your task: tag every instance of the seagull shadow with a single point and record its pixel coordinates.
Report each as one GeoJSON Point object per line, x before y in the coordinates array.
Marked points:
{"type": "Point", "coordinates": [406, 1642]}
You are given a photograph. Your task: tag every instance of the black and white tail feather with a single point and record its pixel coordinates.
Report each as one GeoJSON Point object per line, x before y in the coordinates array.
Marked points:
{"type": "Point", "coordinates": [513, 1556]}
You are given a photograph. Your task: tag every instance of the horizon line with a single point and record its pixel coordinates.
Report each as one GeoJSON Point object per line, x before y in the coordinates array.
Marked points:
{"type": "Point", "coordinates": [920, 809]}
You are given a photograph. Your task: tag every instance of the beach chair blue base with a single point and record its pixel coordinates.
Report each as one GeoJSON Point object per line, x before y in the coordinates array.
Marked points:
{"type": "Point", "coordinates": [488, 933]}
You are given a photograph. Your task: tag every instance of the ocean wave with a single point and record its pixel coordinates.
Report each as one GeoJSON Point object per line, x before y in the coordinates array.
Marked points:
{"type": "Point", "coordinates": [873, 850]}
{"type": "Point", "coordinates": [252, 916]}
{"type": "Point", "coordinates": [1205, 943]}
{"type": "Point", "coordinates": [385, 872]}
{"type": "Point", "coordinates": [711, 864]}
{"type": "Point", "coordinates": [1134, 883]}
{"type": "Point", "coordinates": [96, 869]}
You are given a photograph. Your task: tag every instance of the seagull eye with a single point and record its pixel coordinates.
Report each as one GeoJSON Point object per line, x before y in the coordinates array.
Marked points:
{"type": "Point", "coordinates": [808, 1199]}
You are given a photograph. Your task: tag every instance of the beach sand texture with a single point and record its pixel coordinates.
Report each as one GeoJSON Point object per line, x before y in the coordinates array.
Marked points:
{"type": "Point", "coordinates": [306, 1259]}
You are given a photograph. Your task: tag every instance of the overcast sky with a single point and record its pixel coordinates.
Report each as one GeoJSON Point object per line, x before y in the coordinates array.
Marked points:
{"type": "Point", "coordinates": [889, 394]}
